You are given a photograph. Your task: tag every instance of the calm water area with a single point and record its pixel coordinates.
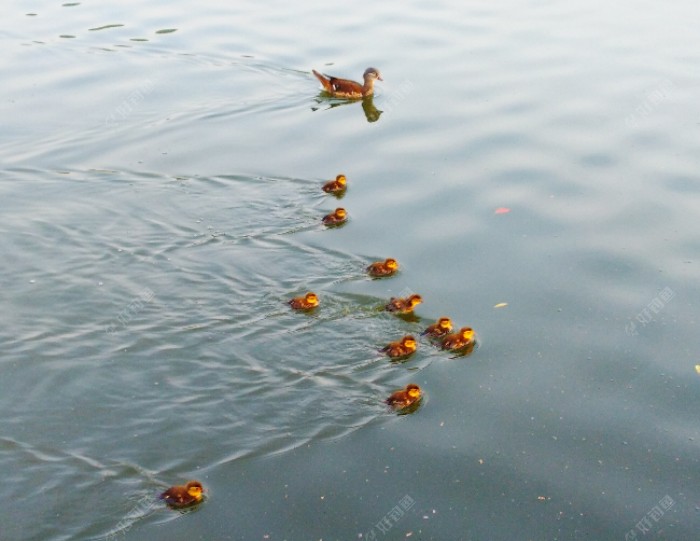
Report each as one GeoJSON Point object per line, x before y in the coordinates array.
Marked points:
{"type": "Point", "coordinates": [534, 167]}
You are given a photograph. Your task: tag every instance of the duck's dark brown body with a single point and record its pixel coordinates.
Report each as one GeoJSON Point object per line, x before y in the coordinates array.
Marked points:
{"type": "Point", "coordinates": [308, 301]}
{"type": "Point", "coordinates": [461, 339]}
{"type": "Point", "coordinates": [402, 348]}
{"type": "Point", "coordinates": [379, 269]}
{"type": "Point", "coordinates": [403, 306]}
{"type": "Point", "coordinates": [345, 88]}
{"type": "Point", "coordinates": [337, 186]}
{"type": "Point", "coordinates": [339, 216]}
{"type": "Point", "coordinates": [183, 495]}
{"type": "Point", "coordinates": [438, 329]}
{"type": "Point", "coordinates": [404, 397]}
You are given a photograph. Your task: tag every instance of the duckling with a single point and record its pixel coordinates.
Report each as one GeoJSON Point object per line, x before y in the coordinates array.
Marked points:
{"type": "Point", "coordinates": [379, 269]}
{"type": "Point", "coordinates": [459, 340]}
{"type": "Point", "coordinates": [307, 302]}
{"type": "Point", "coordinates": [337, 217]}
{"type": "Point", "coordinates": [404, 397]}
{"type": "Point", "coordinates": [337, 186]}
{"type": "Point", "coordinates": [440, 328]}
{"type": "Point", "coordinates": [405, 305]}
{"type": "Point", "coordinates": [344, 88]}
{"type": "Point", "coordinates": [180, 496]}
{"type": "Point", "coordinates": [402, 348]}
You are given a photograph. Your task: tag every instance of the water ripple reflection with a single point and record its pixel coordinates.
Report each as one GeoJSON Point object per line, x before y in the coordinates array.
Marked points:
{"type": "Point", "coordinates": [195, 338]}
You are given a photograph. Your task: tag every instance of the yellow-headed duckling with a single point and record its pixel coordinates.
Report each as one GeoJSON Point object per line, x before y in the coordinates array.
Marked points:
{"type": "Point", "coordinates": [308, 301]}
{"type": "Point", "coordinates": [184, 495]}
{"type": "Point", "coordinates": [459, 340]}
{"type": "Point", "coordinates": [403, 305]}
{"type": "Point", "coordinates": [337, 217]}
{"type": "Point", "coordinates": [401, 348]}
{"type": "Point", "coordinates": [404, 397]}
{"type": "Point", "coordinates": [336, 186]}
{"type": "Point", "coordinates": [379, 269]}
{"type": "Point", "coordinates": [440, 328]}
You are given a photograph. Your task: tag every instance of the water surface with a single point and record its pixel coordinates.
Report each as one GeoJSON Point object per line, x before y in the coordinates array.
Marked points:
{"type": "Point", "coordinates": [160, 169]}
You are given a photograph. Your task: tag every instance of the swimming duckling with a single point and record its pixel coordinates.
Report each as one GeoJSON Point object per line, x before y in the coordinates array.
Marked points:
{"type": "Point", "coordinates": [405, 305]}
{"type": "Point", "coordinates": [344, 88]}
{"type": "Point", "coordinates": [459, 340]}
{"type": "Point", "coordinates": [336, 217]}
{"type": "Point", "coordinates": [180, 496]}
{"type": "Point", "coordinates": [308, 301]}
{"type": "Point", "coordinates": [440, 328]}
{"type": "Point", "coordinates": [401, 348]}
{"type": "Point", "coordinates": [404, 397]}
{"type": "Point", "coordinates": [336, 186]}
{"type": "Point", "coordinates": [379, 269]}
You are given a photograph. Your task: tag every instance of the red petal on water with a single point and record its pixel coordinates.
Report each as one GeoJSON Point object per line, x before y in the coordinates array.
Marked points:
{"type": "Point", "coordinates": [501, 210]}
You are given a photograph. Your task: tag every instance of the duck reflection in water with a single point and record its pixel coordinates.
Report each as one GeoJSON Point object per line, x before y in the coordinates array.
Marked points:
{"type": "Point", "coordinates": [372, 114]}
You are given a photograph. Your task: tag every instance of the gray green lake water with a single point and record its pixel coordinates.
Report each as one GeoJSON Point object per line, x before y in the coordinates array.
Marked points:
{"type": "Point", "coordinates": [534, 168]}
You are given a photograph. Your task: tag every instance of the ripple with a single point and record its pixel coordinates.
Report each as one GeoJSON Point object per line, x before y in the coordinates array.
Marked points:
{"type": "Point", "coordinates": [196, 339]}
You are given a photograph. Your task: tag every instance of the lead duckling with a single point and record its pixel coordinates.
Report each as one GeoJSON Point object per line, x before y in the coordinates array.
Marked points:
{"type": "Point", "coordinates": [401, 348]}
{"type": "Point", "coordinates": [440, 328]}
{"type": "Point", "coordinates": [404, 397]}
{"type": "Point", "coordinates": [179, 496]}
{"type": "Point", "coordinates": [459, 340]}
{"type": "Point", "coordinates": [379, 269]}
{"type": "Point", "coordinates": [337, 186]}
{"type": "Point", "coordinates": [307, 302]}
{"type": "Point", "coordinates": [403, 305]}
{"type": "Point", "coordinates": [337, 217]}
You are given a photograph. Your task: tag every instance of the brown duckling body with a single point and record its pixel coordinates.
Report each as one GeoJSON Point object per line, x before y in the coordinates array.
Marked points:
{"type": "Point", "coordinates": [337, 217]}
{"type": "Point", "coordinates": [401, 348]}
{"type": "Point", "coordinates": [184, 495]}
{"type": "Point", "coordinates": [379, 269]}
{"type": "Point", "coordinates": [403, 305]}
{"type": "Point", "coordinates": [345, 88]}
{"type": "Point", "coordinates": [308, 301]}
{"type": "Point", "coordinates": [404, 397]}
{"type": "Point", "coordinates": [440, 328]}
{"type": "Point", "coordinates": [337, 186]}
{"type": "Point", "coordinates": [459, 340]}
